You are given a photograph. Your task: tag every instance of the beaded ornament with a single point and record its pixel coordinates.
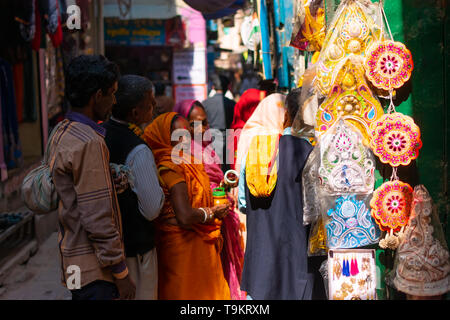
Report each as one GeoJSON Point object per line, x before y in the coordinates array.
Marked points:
{"type": "Point", "coordinates": [351, 33]}
{"type": "Point", "coordinates": [347, 166]}
{"type": "Point", "coordinates": [350, 98]}
{"type": "Point", "coordinates": [350, 224]}
{"type": "Point", "coordinates": [388, 64]}
{"type": "Point", "coordinates": [395, 139]}
{"type": "Point", "coordinates": [422, 261]}
{"type": "Point", "coordinates": [391, 205]}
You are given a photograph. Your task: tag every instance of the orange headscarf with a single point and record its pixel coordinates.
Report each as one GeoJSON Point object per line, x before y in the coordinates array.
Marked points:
{"type": "Point", "coordinates": [189, 265]}
{"type": "Point", "coordinates": [158, 137]}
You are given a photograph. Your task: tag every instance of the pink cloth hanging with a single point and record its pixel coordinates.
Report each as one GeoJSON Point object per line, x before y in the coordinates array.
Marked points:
{"type": "Point", "coordinates": [3, 168]}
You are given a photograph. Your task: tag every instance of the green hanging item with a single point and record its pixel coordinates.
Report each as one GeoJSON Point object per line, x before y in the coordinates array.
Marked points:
{"type": "Point", "coordinates": [381, 272]}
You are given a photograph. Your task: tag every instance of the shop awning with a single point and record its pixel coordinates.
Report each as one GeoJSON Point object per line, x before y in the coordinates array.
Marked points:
{"type": "Point", "coordinates": [140, 9]}
{"type": "Point", "coordinates": [166, 9]}
{"type": "Point", "coordinates": [210, 6]}
{"type": "Point", "coordinates": [231, 9]}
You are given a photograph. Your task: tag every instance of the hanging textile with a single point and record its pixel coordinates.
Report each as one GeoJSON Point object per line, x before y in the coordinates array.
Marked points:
{"type": "Point", "coordinates": [3, 168]}
{"type": "Point", "coordinates": [351, 32]}
{"type": "Point", "coordinates": [12, 152]}
{"type": "Point", "coordinates": [19, 89]}
{"type": "Point", "coordinates": [349, 224]}
{"type": "Point", "coordinates": [54, 81]}
{"type": "Point", "coordinates": [349, 97]}
{"type": "Point", "coordinates": [346, 165]}
{"type": "Point", "coordinates": [422, 265]}
{"type": "Point", "coordinates": [308, 33]}
{"type": "Point", "coordinates": [50, 10]}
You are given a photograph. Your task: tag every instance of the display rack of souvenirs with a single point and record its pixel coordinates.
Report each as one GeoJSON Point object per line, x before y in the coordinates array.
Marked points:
{"type": "Point", "coordinates": [359, 61]}
{"type": "Point", "coordinates": [422, 265]}
{"type": "Point", "coordinates": [352, 274]}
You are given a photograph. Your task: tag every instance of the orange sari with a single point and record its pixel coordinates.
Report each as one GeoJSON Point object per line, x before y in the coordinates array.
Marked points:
{"type": "Point", "coordinates": [189, 265]}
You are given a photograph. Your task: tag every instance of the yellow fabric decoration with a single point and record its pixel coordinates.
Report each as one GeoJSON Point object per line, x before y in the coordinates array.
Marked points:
{"type": "Point", "coordinates": [315, 57]}
{"type": "Point", "coordinates": [313, 29]}
{"type": "Point", "coordinates": [261, 165]}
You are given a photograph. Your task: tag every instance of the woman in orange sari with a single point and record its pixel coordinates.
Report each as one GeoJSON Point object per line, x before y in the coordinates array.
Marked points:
{"type": "Point", "coordinates": [188, 238]}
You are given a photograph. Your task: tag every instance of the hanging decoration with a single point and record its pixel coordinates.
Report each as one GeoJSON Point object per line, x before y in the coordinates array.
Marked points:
{"type": "Point", "coordinates": [308, 31]}
{"type": "Point", "coordinates": [350, 98]}
{"type": "Point", "coordinates": [422, 265]}
{"type": "Point", "coordinates": [352, 274]}
{"type": "Point", "coordinates": [391, 205]}
{"type": "Point", "coordinates": [347, 166]}
{"type": "Point", "coordinates": [250, 32]}
{"type": "Point", "coordinates": [350, 224]}
{"type": "Point", "coordinates": [388, 64]}
{"type": "Point", "coordinates": [395, 139]}
{"type": "Point", "coordinates": [351, 33]}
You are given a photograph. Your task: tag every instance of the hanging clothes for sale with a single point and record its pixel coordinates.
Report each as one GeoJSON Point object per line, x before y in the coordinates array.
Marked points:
{"type": "Point", "coordinates": [50, 9]}
{"type": "Point", "coordinates": [308, 33]}
{"type": "Point", "coordinates": [19, 89]}
{"type": "Point", "coordinates": [3, 168]}
{"type": "Point", "coordinates": [10, 129]}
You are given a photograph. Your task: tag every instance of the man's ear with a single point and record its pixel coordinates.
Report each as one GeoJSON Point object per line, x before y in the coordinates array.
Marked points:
{"type": "Point", "coordinates": [134, 114]}
{"type": "Point", "coordinates": [98, 95]}
{"type": "Point", "coordinates": [287, 119]}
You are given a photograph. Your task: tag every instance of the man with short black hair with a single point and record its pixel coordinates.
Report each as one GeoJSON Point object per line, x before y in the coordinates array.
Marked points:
{"type": "Point", "coordinates": [141, 203]}
{"type": "Point", "coordinates": [220, 111]}
{"type": "Point", "coordinates": [90, 229]}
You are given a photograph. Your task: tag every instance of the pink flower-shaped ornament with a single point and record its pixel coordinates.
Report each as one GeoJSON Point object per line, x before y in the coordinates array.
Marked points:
{"type": "Point", "coordinates": [388, 64]}
{"type": "Point", "coordinates": [395, 139]}
{"type": "Point", "coordinates": [391, 205]}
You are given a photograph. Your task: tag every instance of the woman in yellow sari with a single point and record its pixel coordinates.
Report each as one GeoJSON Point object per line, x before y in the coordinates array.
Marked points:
{"type": "Point", "coordinates": [188, 239]}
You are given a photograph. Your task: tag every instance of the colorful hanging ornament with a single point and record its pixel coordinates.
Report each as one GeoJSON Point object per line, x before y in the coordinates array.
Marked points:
{"type": "Point", "coordinates": [391, 205]}
{"type": "Point", "coordinates": [350, 34]}
{"type": "Point", "coordinates": [388, 64]}
{"type": "Point", "coordinates": [351, 99]}
{"type": "Point", "coordinates": [395, 139]}
{"type": "Point", "coordinates": [350, 224]}
{"type": "Point", "coordinates": [346, 166]}
{"type": "Point", "coordinates": [422, 266]}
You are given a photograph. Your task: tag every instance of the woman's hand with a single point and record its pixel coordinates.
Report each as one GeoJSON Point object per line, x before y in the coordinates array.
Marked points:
{"type": "Point", "coordinates": [221, 210]}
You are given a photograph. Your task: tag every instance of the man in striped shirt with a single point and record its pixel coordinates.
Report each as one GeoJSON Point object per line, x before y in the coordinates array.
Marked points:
{"type": "Point", "coordinates": [141, 203]}
{"type": "Point", "coordinates": [90, 229]}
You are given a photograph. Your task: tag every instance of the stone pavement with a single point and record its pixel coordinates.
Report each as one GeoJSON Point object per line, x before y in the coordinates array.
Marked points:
{"type": "Point", "coordinates": [39, 277]}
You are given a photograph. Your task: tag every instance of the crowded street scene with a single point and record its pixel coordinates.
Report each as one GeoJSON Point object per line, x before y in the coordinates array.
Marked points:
{"type": "Point", "coordinates": [232, 150]}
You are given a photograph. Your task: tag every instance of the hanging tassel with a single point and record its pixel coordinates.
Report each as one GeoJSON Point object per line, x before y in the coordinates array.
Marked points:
{"type": "Point", "coordinates": [352, 267]}
{"type": "Point", "coordinates": [346, 268]}
{"type": "Point", "coordinates": [356, 267]}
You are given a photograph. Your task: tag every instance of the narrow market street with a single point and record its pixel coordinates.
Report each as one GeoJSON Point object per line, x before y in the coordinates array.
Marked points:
{"type": "Point", "coordinates": [233, 153]}
{"type": "Point", "coordinates": [38, 278]}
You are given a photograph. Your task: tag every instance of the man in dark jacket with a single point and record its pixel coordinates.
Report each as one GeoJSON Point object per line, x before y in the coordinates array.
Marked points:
{"type": "Point", "coordinates": [141, 203]}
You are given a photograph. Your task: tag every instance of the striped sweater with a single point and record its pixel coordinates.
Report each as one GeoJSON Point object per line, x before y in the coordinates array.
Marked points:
{"type": "Point", "coordinates": [90, 231]}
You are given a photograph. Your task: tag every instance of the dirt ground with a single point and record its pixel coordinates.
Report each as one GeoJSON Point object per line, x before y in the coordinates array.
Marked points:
{"type": "Point", "coordinates": [38, 278]}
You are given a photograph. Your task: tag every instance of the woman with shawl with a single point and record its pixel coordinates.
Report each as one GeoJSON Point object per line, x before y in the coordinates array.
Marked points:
{"type": "Point", "coordinates": [266, 120]}
{"type": "Point", "coordinates": [276, 261]}
{"type": "Point", "coordinates": [242, 112]}
{"type": "Point", "coordinates": [233, 248]}
{"type": "Point", "coordinates": [188, 237]}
